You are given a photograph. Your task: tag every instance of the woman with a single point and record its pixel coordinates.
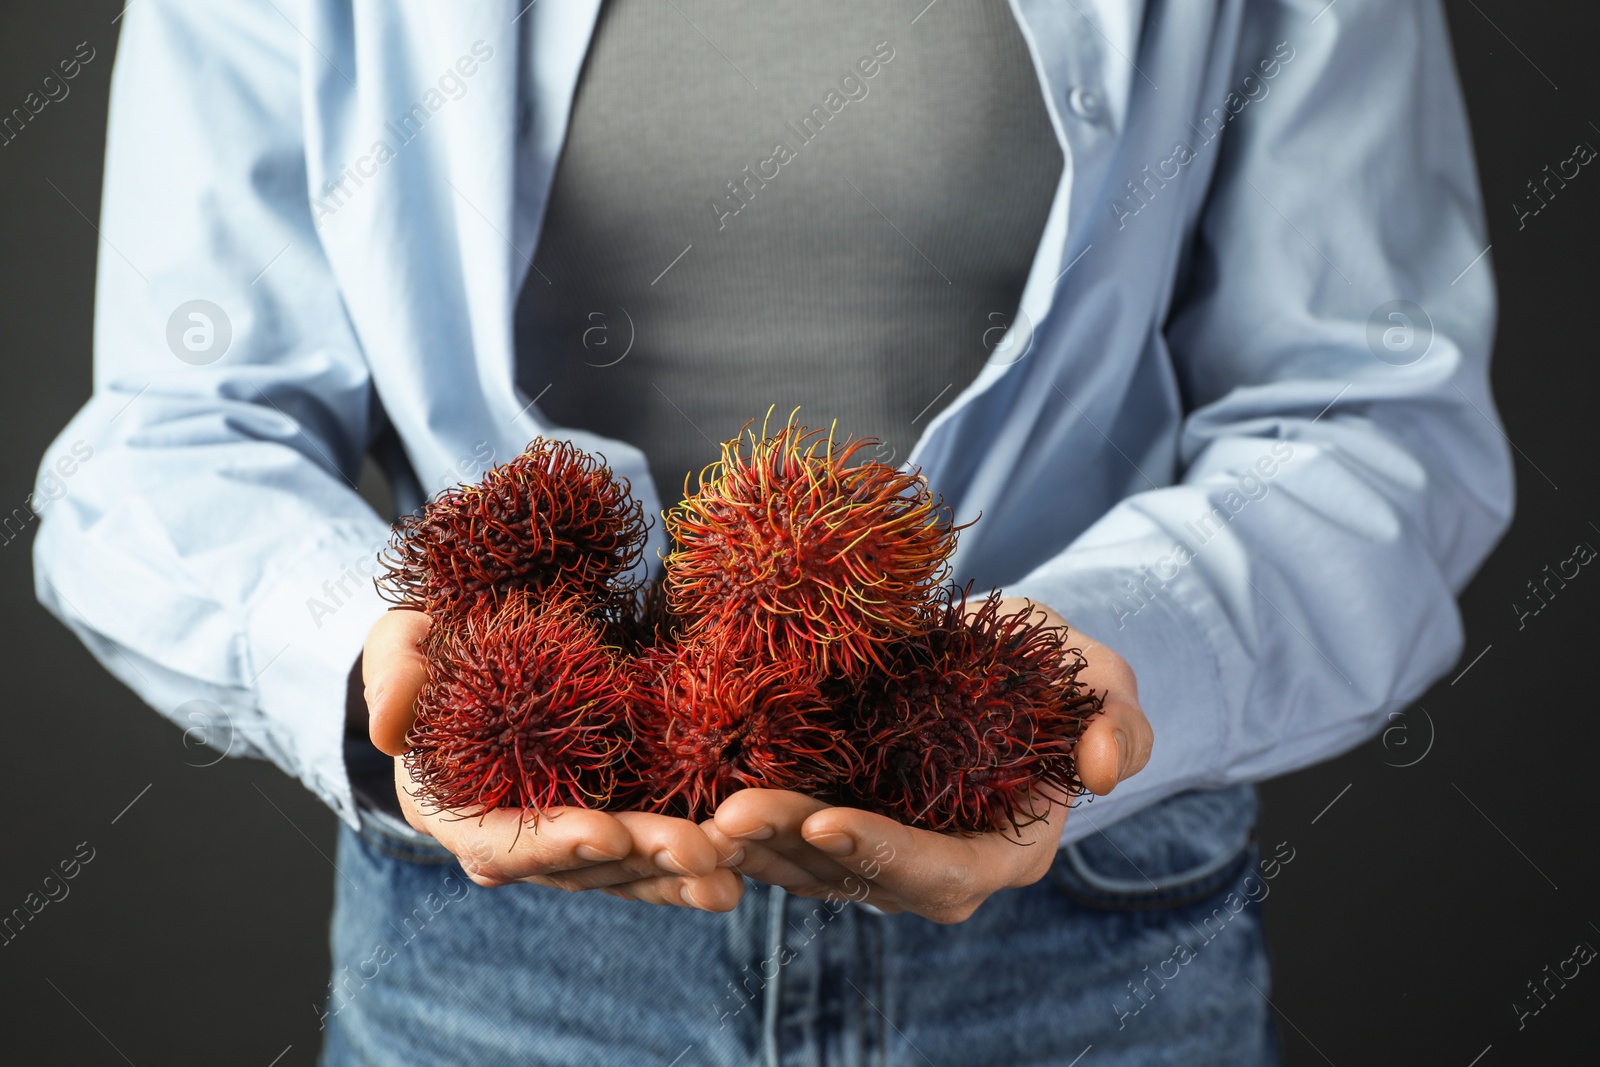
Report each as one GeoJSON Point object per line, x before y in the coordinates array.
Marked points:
{"type": "Point", "coordinates": [1141, 283]}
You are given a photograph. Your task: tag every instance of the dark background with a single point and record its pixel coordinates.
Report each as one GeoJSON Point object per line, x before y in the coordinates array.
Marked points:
{"type": "Point", "coordinates": [1456, 861]}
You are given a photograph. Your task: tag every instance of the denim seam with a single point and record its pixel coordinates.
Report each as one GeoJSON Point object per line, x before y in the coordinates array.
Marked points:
{"type": "Point", "coordinates": [771, 1004]}
{"type": "Point", "coordinates": [880, 929]}
{"type": "Point", "coordinates": [1105, 884]}
{"type": "Point", "coordinates": [1173, 897]}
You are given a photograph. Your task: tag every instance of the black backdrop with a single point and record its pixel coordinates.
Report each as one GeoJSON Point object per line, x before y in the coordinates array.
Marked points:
{"type": "Point", "coordinates": [1438, 869]}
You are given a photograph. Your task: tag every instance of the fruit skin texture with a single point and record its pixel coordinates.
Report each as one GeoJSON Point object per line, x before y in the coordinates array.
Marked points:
{"type": "Point", "coordinates": [973, 724]}
{"type": "Point", "coordinates": [705, 724]}
{"type": "Point", "coordinates": [791, 554]}
{"type": "Point", "coordinates": [650, 623]}
{"type": "Point", "coordinates": [519, 709]}
{"type": "Point", "coordinates": [553, 515]}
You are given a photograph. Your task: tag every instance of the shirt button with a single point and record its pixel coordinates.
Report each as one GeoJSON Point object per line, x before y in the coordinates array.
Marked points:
{"type": "Point", "coordinates": [1085, 103]}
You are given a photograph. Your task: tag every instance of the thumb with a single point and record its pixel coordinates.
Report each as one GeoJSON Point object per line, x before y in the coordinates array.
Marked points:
{"type": "Point", "coordinates": [393, 669]}
{"type": "Point", "coordinates": [1115, 746]}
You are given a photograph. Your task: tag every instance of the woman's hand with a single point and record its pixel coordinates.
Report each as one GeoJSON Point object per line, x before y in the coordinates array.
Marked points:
{"type": "Point", "coordinates": [813, 849]}
{"type": "Point", "coordinates": [634, 855]}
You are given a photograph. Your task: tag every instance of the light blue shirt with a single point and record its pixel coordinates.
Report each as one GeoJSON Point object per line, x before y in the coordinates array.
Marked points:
{"type": "Point", "coordinates": [1240, 430]}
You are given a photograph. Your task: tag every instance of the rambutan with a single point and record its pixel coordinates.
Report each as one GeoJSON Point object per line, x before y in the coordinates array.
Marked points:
{"type": "Point", "coordinates": [792, 554]}
{"type": "Point", "coordinates": [650, 622]}
{"type": "Point", "coordinates": [973, 723]}
{"type": "Point", "coordinates": [704, 724]}
{"type": "Point", "coordinates": [554, 514]}
{"type": "Point", "coordinates": [519, 709]}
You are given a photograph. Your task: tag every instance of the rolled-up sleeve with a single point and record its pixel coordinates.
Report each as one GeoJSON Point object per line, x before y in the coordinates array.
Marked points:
{"type": "Point", "coordinates": [212, 547]}
{"type": "Point", "coordinates": [1344, 472]}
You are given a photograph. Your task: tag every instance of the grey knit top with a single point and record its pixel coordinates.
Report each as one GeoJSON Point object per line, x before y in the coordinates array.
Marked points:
{"type": "Point", "coordinates": [812, 203]}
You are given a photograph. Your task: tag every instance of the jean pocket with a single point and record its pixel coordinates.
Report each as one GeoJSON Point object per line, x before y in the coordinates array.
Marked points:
{"type": "Point", "coordinates": [1178, 852]}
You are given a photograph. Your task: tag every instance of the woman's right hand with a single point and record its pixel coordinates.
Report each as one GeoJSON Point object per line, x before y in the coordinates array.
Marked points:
{"type": "Point", "coordinates": [634, 855]}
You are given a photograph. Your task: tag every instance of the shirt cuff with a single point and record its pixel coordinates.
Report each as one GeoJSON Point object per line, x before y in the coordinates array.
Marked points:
{"type": "Point", "coordinates": [303, 631]}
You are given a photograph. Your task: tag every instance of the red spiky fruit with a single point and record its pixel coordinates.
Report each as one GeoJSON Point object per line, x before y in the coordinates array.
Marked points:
{"type": "Point", "coordinates": [792, 554]}
{"type": "Point", "coordinates": [651, 622]}
{"type": "Point", "coordinates": [705, 724]}
{"type": "Point", "coordinates": [520, 708]}
{"type": "Point", "coordinates": [974, 723]}
{"type": "Point", "coordinates": [554, 514]}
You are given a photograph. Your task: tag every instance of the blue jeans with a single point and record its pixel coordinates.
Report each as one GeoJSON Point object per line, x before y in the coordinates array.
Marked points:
{"type": "Point", "coordinates": [1142, 946]}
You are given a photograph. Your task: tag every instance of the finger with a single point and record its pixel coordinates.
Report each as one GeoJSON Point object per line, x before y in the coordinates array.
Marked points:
{"type": "Point", "coordinates": [926, 872]}
{"type": "Point", "coordinates": [598, 875]}
{"type": "Point", "coordinates": [730, 853]}
{"type": "Point", "coordinates": [1099, 756]}
{"type": "Point", "coordinates": [1115, 746]}
{"type": "Point", "coordinates": [801, 871]}
{"type": "Point", "coordinates": [393, 669]}
{"type": "Point", "coordinates": [506, 845]}
{"type": "Point", "coordinates": [754, 859]}
{"type": "Point", "coordinates": [788, 871]}
{"type": "Point", "coordinates": [661, 845]}
{"type": "Point", "coordinates": [673, 846]}
{"type": "Point", "coordinates": [719, 891]}
{"type": "Point", "coordinates": [770, 816]}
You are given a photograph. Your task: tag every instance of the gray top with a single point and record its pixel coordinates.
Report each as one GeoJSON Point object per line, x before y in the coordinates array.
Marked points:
{"type": "Point", "coordinates": [811, 203]}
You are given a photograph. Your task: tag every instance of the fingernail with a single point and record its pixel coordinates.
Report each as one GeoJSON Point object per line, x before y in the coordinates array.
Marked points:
{"type": "Point", "coordinates": [668, 862]}
{"type": "Point", "coordinates": [688, 897]}
{"type": "Point", "coordinates": [833, 844]}
{"type": "Point", "coordinates": [760, 833]}
{"type": "Point", "coordinates": [374, 694]}
{"type": "Point", "coordinates": [594, 855]}
{"type": "Point", "coordinates": [1123, 748]}
{"type": "Point", "coordinates": [733, 860]}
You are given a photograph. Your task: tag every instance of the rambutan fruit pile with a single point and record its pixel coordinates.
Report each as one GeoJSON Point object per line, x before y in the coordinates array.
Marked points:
{"type": "Point", "coordinates": [803, 635]}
